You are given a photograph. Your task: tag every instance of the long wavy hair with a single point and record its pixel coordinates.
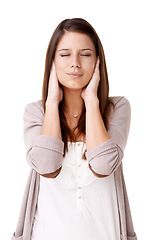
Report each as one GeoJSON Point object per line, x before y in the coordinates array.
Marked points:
{"type": "Point", "coordinates": [81, 26]}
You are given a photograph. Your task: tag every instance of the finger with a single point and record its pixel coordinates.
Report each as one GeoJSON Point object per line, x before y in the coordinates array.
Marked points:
{"type": "Point", "coordinates": [53, 67]}
{"type": "Point", "coordinates": [97, 65]}
{"type": "Point", "coordinates": [53, 70]}
{"type": "Point", "coordinates": [98, 62]}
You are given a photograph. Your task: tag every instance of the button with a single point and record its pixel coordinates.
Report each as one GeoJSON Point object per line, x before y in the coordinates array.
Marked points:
{"type": "Point", "coordinates": [80, 197]}
{"type": "Point", "coordinates": [78, 176]}
{"type": "Point", "coordinates": [79, 187]}
{"type": "Point", "coordinates": [79, 165]}
{"type": "Point", "coordinates": [79, 144]}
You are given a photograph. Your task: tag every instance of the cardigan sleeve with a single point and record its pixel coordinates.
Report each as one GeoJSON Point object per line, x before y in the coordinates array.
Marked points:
{"type": "Point", "coordinates": [106, 157]}
{"type": "Point", "coordinates": [44, 153]}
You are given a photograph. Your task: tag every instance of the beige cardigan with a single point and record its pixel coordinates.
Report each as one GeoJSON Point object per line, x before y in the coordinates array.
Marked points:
{"type": "Point", "coordinates": [45, 154]}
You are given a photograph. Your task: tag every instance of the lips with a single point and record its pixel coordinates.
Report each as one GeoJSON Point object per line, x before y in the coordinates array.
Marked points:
{"type": "Point", "coordinates": [73, 74]}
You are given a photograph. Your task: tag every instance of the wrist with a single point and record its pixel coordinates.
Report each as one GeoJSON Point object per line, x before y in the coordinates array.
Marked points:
{"type": "Point", "coordinates": [91, 100]}
{"type": "Point", "coordinates": [51, 105]}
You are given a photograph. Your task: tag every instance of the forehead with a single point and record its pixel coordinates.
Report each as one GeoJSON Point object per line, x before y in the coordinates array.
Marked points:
{"type": "Point", "coordinates": [74, 39]}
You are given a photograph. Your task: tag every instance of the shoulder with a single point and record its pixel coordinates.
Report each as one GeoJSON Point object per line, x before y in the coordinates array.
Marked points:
{"type": "Point", "coordinates": [34, 109]}
{"type": "Point", "coordinates": [37, 105]}
{"type": "Point", "coordinates": [121, 104]}
{"type": "Point", "coordinates": [119, 100]}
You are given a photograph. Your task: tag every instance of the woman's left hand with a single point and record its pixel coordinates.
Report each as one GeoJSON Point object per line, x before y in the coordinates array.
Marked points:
{"type": "Point", "coordinates": [91, 89]}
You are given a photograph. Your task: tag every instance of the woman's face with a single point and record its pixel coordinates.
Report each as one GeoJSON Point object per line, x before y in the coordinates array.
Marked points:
{"type": "Point", "coordinates": [75, 53]}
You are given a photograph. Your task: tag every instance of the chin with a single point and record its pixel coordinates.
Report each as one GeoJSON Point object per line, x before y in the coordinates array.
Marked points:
{"type": "Point", "coordinates": [72, 87]}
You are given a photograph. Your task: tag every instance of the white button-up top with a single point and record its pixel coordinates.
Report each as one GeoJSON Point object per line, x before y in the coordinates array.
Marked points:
{"type": "Point", "coordinates": [76, 205]}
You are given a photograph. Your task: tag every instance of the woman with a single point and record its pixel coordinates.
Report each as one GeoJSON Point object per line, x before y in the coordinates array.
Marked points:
{"type": "Point", "coordinates": [75, 139]}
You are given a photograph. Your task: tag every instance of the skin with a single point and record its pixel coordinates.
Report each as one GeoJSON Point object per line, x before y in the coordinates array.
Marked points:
{"type": "Point", "coordinates": [76, 90]}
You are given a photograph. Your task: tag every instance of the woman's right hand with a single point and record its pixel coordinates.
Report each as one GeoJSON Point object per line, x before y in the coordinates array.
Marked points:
{"type": "Point", "coordinates": [55, 92]}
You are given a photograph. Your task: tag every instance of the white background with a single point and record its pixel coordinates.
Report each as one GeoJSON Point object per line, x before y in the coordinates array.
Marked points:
{"type": "Point", "coordinates": [127, 32]}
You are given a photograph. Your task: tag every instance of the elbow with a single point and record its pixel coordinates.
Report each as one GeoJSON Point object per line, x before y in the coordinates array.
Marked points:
{"type": "Point", "coordinates": [53, 174]}
{"type": "Point", "coordinates": [48, 162]}
{"type": "Point", "coordinates": [106, 164]}
{"type": "Point", "coordinates": [97, 174]}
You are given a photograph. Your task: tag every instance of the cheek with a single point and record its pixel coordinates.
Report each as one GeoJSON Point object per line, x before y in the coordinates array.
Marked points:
{"type": "Point", "coordinates": [91, 69]}
{"type": "Point", "coordinates": [93, 65]}
{"type": "Point", "coordinates": [58, 66]}
{"type": "Point", "coordinates": [59, 69]}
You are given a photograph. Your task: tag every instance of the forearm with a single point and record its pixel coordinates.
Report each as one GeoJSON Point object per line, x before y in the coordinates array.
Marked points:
{"type": "Point", "coordinates": [51, 127]}
{"type": "Point", "coordinates": [106, 158]}
{"type": "Point", "coordinates": [51, 123]}
{"type": "Point", "coordinates": [96, 132]}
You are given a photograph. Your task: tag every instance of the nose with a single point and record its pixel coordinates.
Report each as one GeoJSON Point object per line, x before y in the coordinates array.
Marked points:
{"type": "Point", "coordinates": [75, 62]}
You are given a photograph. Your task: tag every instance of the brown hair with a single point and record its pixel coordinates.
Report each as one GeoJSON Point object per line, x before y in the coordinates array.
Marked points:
{"type": "Point", "coordinates": [82, 26]}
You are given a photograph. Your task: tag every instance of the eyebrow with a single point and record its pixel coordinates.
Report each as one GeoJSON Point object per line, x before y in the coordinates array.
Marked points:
{"type": "Point", "coordinates": [66, 49]}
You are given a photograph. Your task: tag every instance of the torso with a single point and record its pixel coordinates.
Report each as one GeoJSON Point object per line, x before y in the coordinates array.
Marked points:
{"type": "Point", "coordinates": [72, 122]}
{"type": "Point", "coordinates": [81, 138]}
{"type": "Point", "coordinates": [69, 201]}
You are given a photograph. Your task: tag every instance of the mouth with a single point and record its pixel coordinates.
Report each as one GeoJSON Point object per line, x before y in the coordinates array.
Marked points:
{"type": "Point", "coordinates": [74, 75]}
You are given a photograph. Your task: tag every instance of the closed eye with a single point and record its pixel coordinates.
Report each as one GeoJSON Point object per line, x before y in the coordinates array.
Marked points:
{"type": "Point", "coordinates": [87, 55]}
{"type": "Point", "coordinates": [64, 55]}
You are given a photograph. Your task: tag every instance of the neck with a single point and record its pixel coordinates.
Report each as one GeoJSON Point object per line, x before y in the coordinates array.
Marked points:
{"type": "Point", "coordinates": [73, 102]}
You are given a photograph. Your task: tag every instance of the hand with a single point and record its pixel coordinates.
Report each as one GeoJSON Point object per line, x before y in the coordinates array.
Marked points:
{"type": "Point", "coordinates": [55, 92]}
{"type": "Point", "coordinates": [92, 87]}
